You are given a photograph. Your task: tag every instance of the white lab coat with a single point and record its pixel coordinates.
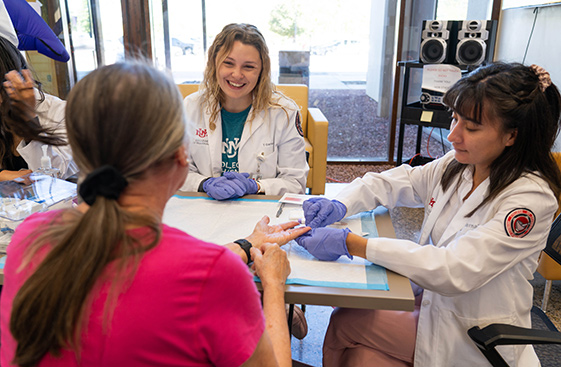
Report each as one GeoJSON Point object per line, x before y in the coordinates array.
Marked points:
{"type": "Point", "coordinates": [51, 114]}
{"type": "Point", "coordinates": [476, 274]}
{"type": "Point", "coordinates": [271, 133]}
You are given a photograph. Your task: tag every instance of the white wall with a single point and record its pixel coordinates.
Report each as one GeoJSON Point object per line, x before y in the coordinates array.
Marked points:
{"type": "Point", "coordinates": [545, 46]}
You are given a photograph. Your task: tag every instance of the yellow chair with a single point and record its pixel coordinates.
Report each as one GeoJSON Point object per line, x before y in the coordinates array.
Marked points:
{"type": "Point", "coordinates": [315, 127]}
{"type": "Point", "coordinates": [547, 266]}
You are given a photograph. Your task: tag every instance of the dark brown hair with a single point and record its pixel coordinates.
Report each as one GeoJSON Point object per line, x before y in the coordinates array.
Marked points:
{"type": "Point", "coordinates": [511, 93]}
{"type": "Point", "coordinates": [11, 124]}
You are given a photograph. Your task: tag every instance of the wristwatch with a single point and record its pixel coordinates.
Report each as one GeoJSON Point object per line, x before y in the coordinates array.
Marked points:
{"type": "Point", "coordinates": [261, 189]}
{"type": "Point", "coordinates": [245, 245]}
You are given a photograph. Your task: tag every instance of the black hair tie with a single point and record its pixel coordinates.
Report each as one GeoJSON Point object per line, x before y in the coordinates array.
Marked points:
{"type": "Point", "coordinates": [104, 181]}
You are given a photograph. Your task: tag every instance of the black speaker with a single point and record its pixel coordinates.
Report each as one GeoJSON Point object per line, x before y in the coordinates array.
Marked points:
{"type": "Point", "coordinates": [438, 39]}
{"type": "Point", "coordinates": [476, 42]}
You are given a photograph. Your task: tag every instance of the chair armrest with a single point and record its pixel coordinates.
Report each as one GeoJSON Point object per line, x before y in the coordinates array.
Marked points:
{"type": "Point", "coordinates": [317, 126]}
{"type": "Point", "coordinates": [316, 132]}
{"type": "Point", "coordinates": [489, 337]}
{"type": "Point", "coordinates": [503, 334]}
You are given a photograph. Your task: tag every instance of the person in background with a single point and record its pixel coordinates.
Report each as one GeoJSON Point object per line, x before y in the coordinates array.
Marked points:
{"type": "Point", "coordinates": [29, 119]}
{"type": "Point", "coordinates": [247, 136]}
{"type": "Point", "coordinates": [489, 204]}
{"type": "Point", "coordinates": [107, 283]}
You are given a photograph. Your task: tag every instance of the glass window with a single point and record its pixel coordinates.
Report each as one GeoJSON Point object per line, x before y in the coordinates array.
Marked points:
{"type": "Point", "coordinates": [308, 45]}
{"type": "Point", "coordinates": [108, 31]}
{"type": "Point", "coordinates": [83, 41]}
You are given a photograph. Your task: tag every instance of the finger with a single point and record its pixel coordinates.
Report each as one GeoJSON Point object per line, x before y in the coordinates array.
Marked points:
{"type": "Point", "coordinates": [238, 187]}
{"type": "Point", "coordinates": [257, 258]}
{"type": "Point", "coordinates": [16, 78]}
{"type": "Point", "coordinates": [265, 220]}
{"type": "Point", "coordinates": [307, 204]}
{"type": "Point", "coordinates": [321, 216]}
{"type": "Point", "coordinates": [256, 254]}
{"type": "Point", "coordinates": [266, 246]}
{"type": "Point", "coordinates": [300, 231]}
{"type": "Point", "coordinates": [27, 76]}
{"type": "Point", "coordinates": [311, 209]}
{"type": "Point", "coordinates": [288, 225]}
{"type": "Point", "coordinates": [224, 191]}
{"type": "Point", "coordinates": [8, 87]}
{"type": "Point", "coordinates": [315, 223]}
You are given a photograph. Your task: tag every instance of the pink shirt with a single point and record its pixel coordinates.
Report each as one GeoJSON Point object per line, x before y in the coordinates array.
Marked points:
{"type": "Point", "coordinates": [191, 303]}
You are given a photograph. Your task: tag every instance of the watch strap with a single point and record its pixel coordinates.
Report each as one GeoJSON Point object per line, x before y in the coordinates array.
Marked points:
{"type": "Point", "coordinates": [245, 245]}
{"type": "Point", "coordinates": [261, 189]}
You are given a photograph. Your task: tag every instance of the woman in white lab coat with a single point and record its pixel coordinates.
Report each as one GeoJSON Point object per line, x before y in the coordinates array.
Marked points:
{"type": "Point", "coordinates": [29, 120]}
{"type": "Point", "coordinates": [246, 137]}
{"type": "Point", "coordinates": [489, 205]}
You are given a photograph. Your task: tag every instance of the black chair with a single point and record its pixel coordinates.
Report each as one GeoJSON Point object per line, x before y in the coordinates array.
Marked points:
{"type": "Point", "coordinates": [489, 337]}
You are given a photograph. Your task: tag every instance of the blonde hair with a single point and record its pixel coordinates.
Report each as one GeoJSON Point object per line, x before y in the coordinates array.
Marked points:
{"type": "Point", "coordinates": [128, 116]}
{"type": "Point", "coordinates": [264, 94]}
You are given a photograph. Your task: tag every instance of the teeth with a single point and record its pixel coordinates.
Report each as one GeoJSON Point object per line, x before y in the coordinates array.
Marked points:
{"type": "Point", "coordinates": [235, 85]}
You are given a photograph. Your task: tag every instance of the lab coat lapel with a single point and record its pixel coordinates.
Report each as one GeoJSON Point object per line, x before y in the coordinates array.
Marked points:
{"type": "Point", "coordinates": [441, 198]}
{"type": "Point", "coordinates": [215, 145]}
{"type": "Point", "coordinates": [251, 127]}
{"type": "Point", "coordinates": [460, 220]}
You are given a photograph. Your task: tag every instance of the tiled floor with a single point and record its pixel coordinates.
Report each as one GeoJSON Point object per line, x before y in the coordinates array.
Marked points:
{"type": "Point", "coordinates": [308, 350]}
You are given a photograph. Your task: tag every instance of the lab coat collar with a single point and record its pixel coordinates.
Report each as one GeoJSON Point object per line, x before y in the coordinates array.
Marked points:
{"type": "Point", "coordinates": [459, 220]}
{"type": "Point", "coordinates": [215, 143]}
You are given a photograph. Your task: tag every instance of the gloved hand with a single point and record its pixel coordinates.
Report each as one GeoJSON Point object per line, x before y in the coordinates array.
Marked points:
{"type": "Point", "coordinates": [243, 181]}
{"type": "Point", "coordinates": [220, 188]}
{"type": "Point", "coordinates": [321, 212]}
{"type": "Point", "coordinates": [231, 185]}
{"type": "Point", "coordinates": [327, 244]}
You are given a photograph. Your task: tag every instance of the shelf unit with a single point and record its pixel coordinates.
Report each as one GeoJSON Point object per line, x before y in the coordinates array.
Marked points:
{"type": "Point", "coordinates": [417, 114]}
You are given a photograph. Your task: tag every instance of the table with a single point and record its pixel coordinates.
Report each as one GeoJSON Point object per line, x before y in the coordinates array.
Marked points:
{"type": "Point", "coordinates": [399, 297]}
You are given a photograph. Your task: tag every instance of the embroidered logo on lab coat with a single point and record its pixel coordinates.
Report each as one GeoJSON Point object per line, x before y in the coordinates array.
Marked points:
{"type": "Point", "coordinates": [519, 222]}
{"type": "Point", "coordinates": [299, 124]}
{"type": "Point", "coordinates": [201, 133]}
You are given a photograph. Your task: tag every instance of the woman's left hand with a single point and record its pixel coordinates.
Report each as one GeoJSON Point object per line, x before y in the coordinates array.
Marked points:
{"type": "Point", "coordinates": [20, 90]}
{"type": "Point", "coordinates": [21, 176]}
{"type": "Point", "coordinates": [279, 233]}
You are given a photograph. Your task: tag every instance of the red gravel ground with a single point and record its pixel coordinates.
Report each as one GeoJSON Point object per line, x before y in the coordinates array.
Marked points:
{"type": "Point", "coordinates": [357, 134]}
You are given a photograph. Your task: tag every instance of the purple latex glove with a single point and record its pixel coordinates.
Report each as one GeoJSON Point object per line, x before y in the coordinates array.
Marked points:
{"type": "Point", "coordinates": [327, 244]}
{"type": "Point", "coordinates": [33, 32]}
{"type": "Point", "coordinates": [220, 188]}
{"type": "Point", "coordinates": [321, 212]}
{"type": "Point", "coordinates": [243, 181]}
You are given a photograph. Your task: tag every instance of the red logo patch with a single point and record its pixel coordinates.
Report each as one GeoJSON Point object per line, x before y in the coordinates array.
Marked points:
{"type": "Point", "coordinates": [201, 133]}
{"type": "Point", "coordinates": [519, 222]}
{"type": "Point", "coordinates": [431, 202]}
{"type": "Point", "coordinates": [299, 124]}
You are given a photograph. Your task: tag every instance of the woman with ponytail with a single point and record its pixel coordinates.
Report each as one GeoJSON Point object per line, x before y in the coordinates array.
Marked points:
{"type": "Point", "coordinates": [106, 283]}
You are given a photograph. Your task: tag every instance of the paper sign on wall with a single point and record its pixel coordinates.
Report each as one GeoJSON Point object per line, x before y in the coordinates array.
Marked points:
{"type": "Point", "coordinates": [440, 77]}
